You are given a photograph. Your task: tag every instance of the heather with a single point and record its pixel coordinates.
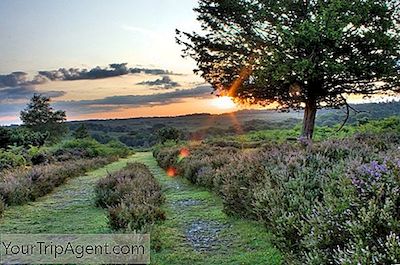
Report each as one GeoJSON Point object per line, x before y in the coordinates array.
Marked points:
{"type": "Point", "coordinates": [21, 185]}
{"type": "Point", "coordinates": [132, 197]}
{"type": "Point", "coordinates": [331, 202]}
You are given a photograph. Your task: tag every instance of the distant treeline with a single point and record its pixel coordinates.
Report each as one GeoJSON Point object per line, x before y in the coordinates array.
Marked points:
{"type": "Point", "coordinates": [142, 132]}
{"type": "Point", "coordinates": [360, 113]}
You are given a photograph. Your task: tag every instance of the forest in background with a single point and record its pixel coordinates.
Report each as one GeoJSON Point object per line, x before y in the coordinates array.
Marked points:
{"type": "Point", "coordinates": [142, 132]}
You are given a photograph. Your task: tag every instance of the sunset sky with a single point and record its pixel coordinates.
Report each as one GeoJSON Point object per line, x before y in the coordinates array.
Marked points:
{"type": "Point", "coordinates": [40, 37]}
{"type": "Point", "coordinates": [124, 59]}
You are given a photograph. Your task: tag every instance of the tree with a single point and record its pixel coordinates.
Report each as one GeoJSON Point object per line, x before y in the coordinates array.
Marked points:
{"type": "Point", "coordinates": [5, 137]}
{"type": "Point", "coordinates": [39, 116]}
{"type": "Point", "coordinates": [168, 134]}
{"type": "Point", "coordinates": [81, 132]}
{"type": "Point", "coordinates": [306, 54]}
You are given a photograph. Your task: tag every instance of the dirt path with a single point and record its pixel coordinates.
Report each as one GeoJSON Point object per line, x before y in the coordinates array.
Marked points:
{"type": "Point", "coordinates": [198, 232]}
{"type": "Point", "coordinates": [68, 209]}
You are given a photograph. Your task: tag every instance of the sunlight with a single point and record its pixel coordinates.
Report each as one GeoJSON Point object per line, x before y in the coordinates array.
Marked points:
{"type": "Point", "coordinates": [223, 102]}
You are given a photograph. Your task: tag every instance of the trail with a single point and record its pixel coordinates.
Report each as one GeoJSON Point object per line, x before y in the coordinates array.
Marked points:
{"type": "Point", "coordinates": [68, 209]}
{"type": "Point", "coordinates": [197, 231]}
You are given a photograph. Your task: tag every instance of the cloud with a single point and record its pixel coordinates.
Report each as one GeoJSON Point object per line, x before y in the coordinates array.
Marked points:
{"type": "Point", "coordinates": [114, 69]}
{"type": "Point", "coordinates": [20, 79]}
{"type": "Point", "coordinates": [101, 105]}
{"type": "Point", "coordinates": [12, 94]}
{"type": "Point", "coordinates": [164, 83]}
{"type": "Point", "coordinates": [114, 102]}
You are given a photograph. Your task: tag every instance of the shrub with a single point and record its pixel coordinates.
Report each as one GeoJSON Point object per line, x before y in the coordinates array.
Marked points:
{"type": "Point", "coordinates": [132, 197]}
{"type": "Point", "coordinates": [333, 202]}
{"type": "Point", "coordinates": [2, 206]}
{"type": "Point", "coordinates": [81, 132]}
{"type": "Point", "coordinates": [5, 137]}
{"type": "Point", "coordinates": [19, 186]}
{"type": "Point", "coordinates": [37, 155]}
{"type": "Point", "coordinates": [9, 159]}
{"type": "Point", "coordinates": [88, 148]}
{"type": "Point", "coordinates": [25, 137]}
{"type": "Point", "coordinates": [169, 134]}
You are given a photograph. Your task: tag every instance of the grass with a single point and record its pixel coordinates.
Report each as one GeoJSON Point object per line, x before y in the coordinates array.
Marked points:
{"type": "Point", "coordinates": [238, 242]}
{"type": "Point", "coordinates": [68, 209]}
{"type": "Point", "coordinates": [320, 132]}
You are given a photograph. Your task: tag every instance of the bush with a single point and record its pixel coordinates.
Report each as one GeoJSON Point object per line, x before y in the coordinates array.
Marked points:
{"type": "Point", "coordinates": [88, 148]}
{"type": "Point", "coordinates": [9, 160]}
{"type": "Point", "coordinates": [334, 202]}
{"type": "Point", "coordinates": [23, 185]}
{"type": "Point", "coordinates": [37, 156]}
{"type": "Point", "coordinates": [2, 206]}
{"type": "Point", "coordinates": [169, 134]}
{"type": "Point", "coordinates": [25, 137]}
{"type": "Point", "coordinates": [5, 137]}
{"type": "Point", "coordinates": [132, 197]}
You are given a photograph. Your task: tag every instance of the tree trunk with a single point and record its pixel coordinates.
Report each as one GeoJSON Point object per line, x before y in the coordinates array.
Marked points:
{"type": "Point", "coordinates": [309, 119]}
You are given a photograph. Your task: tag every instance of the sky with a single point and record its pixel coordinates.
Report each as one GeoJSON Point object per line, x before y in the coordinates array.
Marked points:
{"type": "Point", "coordinates": [133, 66]}
{"type": "Point", "coordinates": [101, 59]}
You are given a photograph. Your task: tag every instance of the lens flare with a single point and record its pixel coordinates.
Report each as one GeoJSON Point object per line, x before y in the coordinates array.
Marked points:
{"type": "Point", "coordinates": [223, 102]}
{"type": "Point", "coordinates": [171, 172]}
{"type": "Point", "coordinates": [184, 153]}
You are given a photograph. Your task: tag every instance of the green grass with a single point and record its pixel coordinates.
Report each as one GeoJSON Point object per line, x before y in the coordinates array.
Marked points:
{"type": "Point", "coordinates": [320, 132]}
{"type": "Point", "coordinates": [69, 209]}
{"type": "Point", "coordinates": [239, 242]}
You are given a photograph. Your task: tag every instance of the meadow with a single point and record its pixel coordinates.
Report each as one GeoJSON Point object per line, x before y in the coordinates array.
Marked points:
{"type": "Point", "coordinates": [261, 196]}
{"type": "Point", "coordinates": [244, 132]}
{"type": "Point", "coordinates": [332, 202]}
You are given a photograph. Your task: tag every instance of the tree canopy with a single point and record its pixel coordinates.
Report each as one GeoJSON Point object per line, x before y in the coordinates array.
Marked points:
{"type": "Point", "coordinates": [169, 134]}
{"type": "Point", "coordinates": [81, 132]}
{"type": "Point", "coordinates": [39, 116]}
{"type": "Point", "coordinates": [300, 54]}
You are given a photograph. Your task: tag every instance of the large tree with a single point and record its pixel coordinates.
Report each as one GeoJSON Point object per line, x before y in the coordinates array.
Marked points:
{"type": "Point", "coordinates": [40, 116]}
{"type": "Point", "coordinates": [301, 54]}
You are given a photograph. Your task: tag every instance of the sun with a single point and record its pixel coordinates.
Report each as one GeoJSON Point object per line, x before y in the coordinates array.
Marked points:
{"type": "Point", "coordinates": [223, 102]}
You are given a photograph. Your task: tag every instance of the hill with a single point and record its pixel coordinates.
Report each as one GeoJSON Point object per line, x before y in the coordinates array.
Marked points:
{"type": "Point", "coordinates": [140, 132]}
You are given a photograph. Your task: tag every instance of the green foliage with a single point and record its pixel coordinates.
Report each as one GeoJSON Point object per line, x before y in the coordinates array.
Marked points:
{"type": "Point", "coordinates": [87, 148]}
{"type": "Point", "coordinates": [81, 133]}
{"type": "Point", "coordinates": [39, 116]}
{"type": "Point", "coordinates": [334, 202]}
{"type": "Point", "coordinates": [297, 53]}
{"type": "Point", "coordinates": [19, 186]}
{"type": "Point", "coordinates": [169, 134]}
{"type": "Point", "coordinates": [16, 156]}
{"type": "Point", "coordinates": [5, 137]}
{"type": "Point", "coordinates": [103, 138]}
{"type": "Point", "coordinates": [10, 159]}
{"type": "Point", "coordinates": [364, 114]}
{"type": "Point", "coordinates": [37, 155]}
{"type": "Point", "coordinates": [132, 197]}
{"type": "Point", "coordinates": [25, 137]}
{"type": "Point", "coordinates": [390, 124]}
{"type": "Point", "coordinates": [141, 132]}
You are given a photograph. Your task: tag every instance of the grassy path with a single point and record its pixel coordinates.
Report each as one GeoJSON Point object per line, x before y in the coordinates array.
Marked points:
{"type": "Point", "coordinates": [198, 232]}
{"type": "Point", "coordinates": [68, 209]}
